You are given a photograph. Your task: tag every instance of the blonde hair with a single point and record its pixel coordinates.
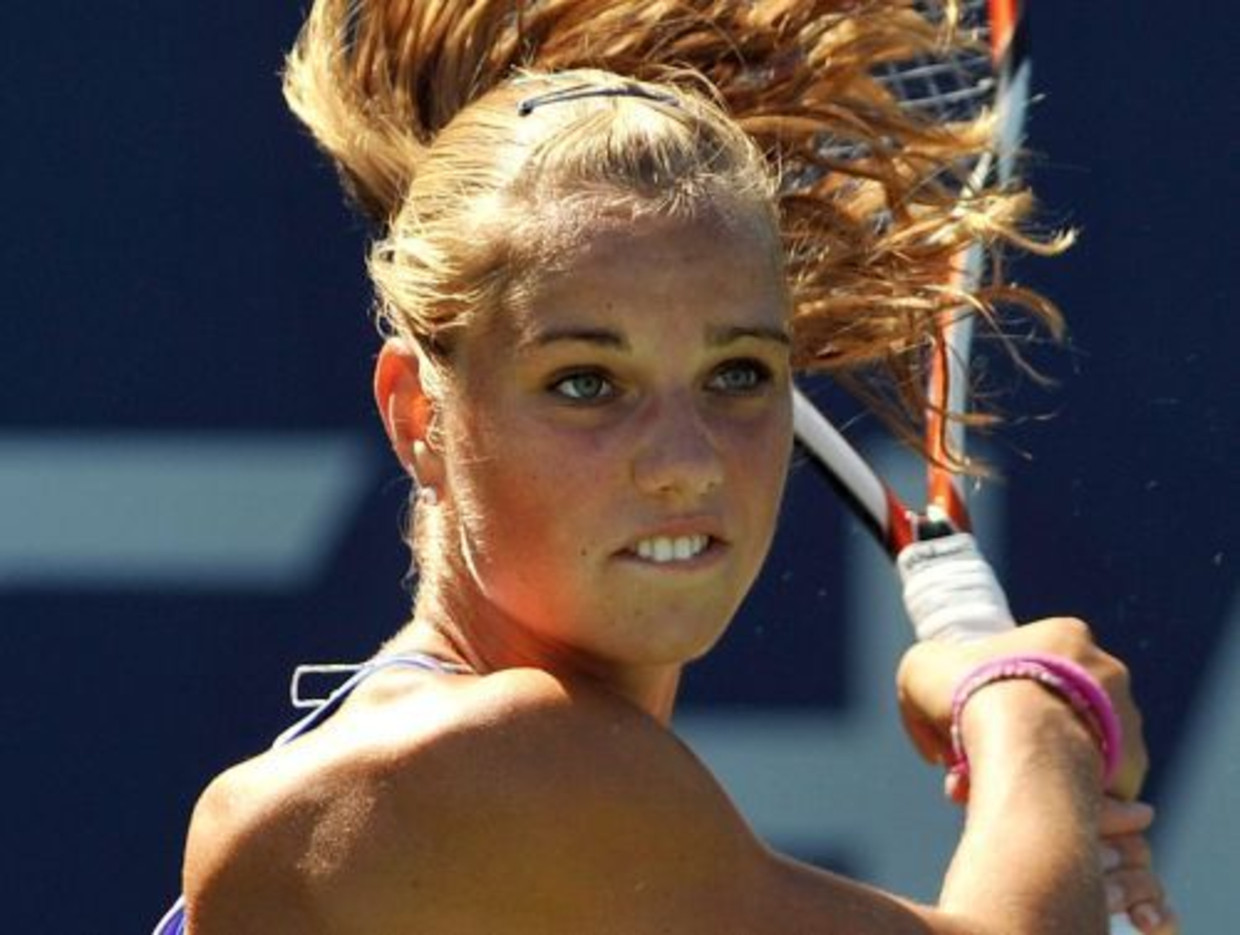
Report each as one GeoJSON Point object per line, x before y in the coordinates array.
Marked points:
{"type": "Point", "coordinates": [471, 200]}
{"type": "Point", "coordinates": [416, 102]}
{"type": "Point", "coordinates": [868, 238]}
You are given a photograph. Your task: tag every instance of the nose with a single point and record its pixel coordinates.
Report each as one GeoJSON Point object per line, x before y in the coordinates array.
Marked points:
{"type": "Point", "coordinates": [678, 456]}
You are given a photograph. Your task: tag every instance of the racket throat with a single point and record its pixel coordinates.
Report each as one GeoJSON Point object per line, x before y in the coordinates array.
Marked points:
{"type": "Point", "coordinates": [939, 520]}
{"type": "Point", "coordinates": [938, 523]}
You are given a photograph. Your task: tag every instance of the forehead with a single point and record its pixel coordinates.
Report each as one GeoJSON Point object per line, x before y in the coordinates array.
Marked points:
{"type": "Point", "coordinates": [714, 271]}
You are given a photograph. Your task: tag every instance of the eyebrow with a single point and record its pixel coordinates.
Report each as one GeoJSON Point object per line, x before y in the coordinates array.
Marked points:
{"type": "Point", "coordinates": [719, 337]}
{"type": "Point", "coordinates": [602, 337]}
{"type": "Point", "coordinates": [716, 336]}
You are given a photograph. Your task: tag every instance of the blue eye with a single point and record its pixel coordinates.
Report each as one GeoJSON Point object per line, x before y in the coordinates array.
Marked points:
{"type": "Point", "coordinates": [585, 387]}
{"type": "Point", "coordinates": [740, 377]}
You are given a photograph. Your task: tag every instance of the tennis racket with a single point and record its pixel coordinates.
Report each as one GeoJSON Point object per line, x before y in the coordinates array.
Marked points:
{"type": "Point", "coordinates": [950, 590]}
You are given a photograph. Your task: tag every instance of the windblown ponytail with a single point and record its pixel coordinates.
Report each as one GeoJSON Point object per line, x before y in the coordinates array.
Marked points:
{"type": "Point", "coordinates": [375, 82]}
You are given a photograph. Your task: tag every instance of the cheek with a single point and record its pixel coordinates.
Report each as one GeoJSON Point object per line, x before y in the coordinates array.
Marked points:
{"type": "Point", "coordinates": [761, 453]}
{"type": "Point", "coordinates": [528, 498]}
{"type": "Point", "coordinates": [759, 471]}
{"type": "Point", "coordinates": [531, 534]}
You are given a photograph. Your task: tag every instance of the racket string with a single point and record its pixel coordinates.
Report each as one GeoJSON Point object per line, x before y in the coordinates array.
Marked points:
{"type": "Point", "coordinates": [956, 87]}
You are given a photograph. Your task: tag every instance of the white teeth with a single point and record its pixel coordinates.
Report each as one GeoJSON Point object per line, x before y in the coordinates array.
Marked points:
{"type": "Point", "coordinates": [668, 549]}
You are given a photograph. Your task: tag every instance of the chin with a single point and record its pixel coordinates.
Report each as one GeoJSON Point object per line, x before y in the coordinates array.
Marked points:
{"type": "Point", "coordinates": [680, 642]}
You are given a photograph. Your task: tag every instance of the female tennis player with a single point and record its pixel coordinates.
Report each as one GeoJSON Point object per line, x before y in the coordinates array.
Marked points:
{"type": "Point", "coordinates": [592, 310]}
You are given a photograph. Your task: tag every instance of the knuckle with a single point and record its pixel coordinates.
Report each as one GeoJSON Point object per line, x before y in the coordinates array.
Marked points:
{"type": "Point", "coordinates": [1116, 679]}
{"type": "Point", "coordinates": [1070, 637]}
{"type": "Point", "coordinates": [1079, 626]}
{"type": "Point", "coordinates": [1076, 628]}
{"type": "Point", "coordinates": [1119, 671]}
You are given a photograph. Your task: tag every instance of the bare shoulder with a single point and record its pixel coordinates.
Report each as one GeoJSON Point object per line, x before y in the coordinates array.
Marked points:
{"type": "Point", "coordinates": [553, 805]}
{"type": "Point", "coordinates": [439, 804]}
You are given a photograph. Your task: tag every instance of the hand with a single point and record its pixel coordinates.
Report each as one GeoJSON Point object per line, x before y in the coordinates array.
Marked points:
{"type": "Point", "coordinates": [1131, 884]}
{"type": "Point", "coordinates": [930, 671]}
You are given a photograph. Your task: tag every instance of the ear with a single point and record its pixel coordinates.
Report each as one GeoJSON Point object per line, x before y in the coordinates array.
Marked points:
{"type": "Point", "coordinates": [407, 409]}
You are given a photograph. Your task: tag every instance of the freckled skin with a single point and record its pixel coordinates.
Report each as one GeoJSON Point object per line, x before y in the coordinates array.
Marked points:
{"type": "Point", "coordinates": [640, 393]}
{"type": "Point", "coordinates": [550, 492]}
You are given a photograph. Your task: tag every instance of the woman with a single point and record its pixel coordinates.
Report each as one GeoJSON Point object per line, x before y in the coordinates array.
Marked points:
{"type": "Point", "coordinates": [594, 292]}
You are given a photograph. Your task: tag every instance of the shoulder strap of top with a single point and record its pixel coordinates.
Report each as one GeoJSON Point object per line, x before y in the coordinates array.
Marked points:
{"type": "Point", "coordinates": [323, 708]}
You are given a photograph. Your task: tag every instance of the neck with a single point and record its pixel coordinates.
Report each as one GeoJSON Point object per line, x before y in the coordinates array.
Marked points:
{"type": "Point", "coordinates": [489, 645]}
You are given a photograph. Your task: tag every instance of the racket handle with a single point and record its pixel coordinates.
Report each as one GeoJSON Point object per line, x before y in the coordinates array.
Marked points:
{"type": "Point", "coordinates": [950, 591]}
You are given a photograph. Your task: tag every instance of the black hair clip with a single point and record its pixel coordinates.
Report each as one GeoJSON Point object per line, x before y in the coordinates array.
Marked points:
{"type": "Point", "coordinates": [578, 91]}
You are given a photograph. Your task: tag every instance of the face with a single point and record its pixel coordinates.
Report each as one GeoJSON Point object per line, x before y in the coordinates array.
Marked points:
{"type": "Point", "coordinates": [616, 449]}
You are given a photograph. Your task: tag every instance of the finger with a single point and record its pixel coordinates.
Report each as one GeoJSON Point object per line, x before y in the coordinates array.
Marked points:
{"type": "Point", "coordinates": [956, 787]}
{"type": "Point", "coordinates": [1127, 888]}
{"type": "Point", "coordinates": [931, 743]}
{"type": "Point", "coordinates": [1119, 817]}
{"type": "Point", "coordinates": [1134, 762]}
{"type": "Point", "coordinates": [926, 680]}
{"type": "Point", "coordinates": [1154, 919]}
{"type": "Point", "coordinates": [1133, 887]}
{"type": "Point", "coordinates": [1129, 778]}
{"type": "Point", "coordinates": [1130, 852]}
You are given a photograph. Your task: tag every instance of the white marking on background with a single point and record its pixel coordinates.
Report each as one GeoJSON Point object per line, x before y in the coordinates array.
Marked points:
{"type": "Point", "coordinates": [198, 511]}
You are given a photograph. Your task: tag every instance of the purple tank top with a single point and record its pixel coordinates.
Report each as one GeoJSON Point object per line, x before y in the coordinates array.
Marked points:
{"type": "Point", "coordinates": [173, 922]}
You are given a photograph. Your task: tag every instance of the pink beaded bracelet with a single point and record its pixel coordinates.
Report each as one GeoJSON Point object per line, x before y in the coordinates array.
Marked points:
{"type": "Point", "coordinates": [1066, 679]}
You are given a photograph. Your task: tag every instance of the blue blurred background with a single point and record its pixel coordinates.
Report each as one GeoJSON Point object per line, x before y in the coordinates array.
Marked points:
{"type": "Point", "coordinates": [195, 495]}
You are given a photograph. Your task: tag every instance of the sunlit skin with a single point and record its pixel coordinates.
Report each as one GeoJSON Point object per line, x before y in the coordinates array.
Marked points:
{"type": "Point", "coordinates": [638, 391]}
{"type": "Point", "coordinates": [593, 400]}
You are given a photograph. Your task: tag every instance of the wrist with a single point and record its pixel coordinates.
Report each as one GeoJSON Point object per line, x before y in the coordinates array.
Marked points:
{"type": "Point", "coordinates": [1057, 684]}
{"type": "Point", "coordinates": [1017, 728]}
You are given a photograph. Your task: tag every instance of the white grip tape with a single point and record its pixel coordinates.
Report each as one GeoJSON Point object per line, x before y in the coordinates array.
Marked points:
{"type": "Point", "coordinates": [950, 591]}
